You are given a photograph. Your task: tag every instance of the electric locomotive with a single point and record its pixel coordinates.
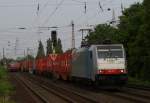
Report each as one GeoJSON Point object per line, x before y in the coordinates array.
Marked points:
{"type": "Point", "coordinates": [101, 64]}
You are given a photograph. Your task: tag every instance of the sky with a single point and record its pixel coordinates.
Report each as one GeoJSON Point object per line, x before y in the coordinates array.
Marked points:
{"type": "Point", "coordinates": [20, 21]}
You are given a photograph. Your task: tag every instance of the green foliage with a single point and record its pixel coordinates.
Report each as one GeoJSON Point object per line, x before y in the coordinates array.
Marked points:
{"type": "Point", "coordinates": [20, 58]}
{"type": "Point", "coordinates": [130, 23]}
{"type": "Point", "coordinates": [101, 33]}
{"type": "Point", "coordinates": [59, 46]}
{"type": "Point", "coordinates": [49, 47]}
{"type": "Point", "coordinates": [28, 57]}
{"type": "Point", "coordinates": [131, 29]}
{"type": "Point", "coordinates": [40, 52]}
{"type": "Point", "coordinates": [133, 81]}
{"type": "Point", "coordinates": [146, 4]}
{"type": "Point", "coordinates": [5, 87]}
{"type": "Point", "coordinates": [3, 74]}
{"type": "Point", "coordinates": [137, 41]}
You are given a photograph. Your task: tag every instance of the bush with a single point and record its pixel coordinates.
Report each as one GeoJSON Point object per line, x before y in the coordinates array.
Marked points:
{"type": "Point", "coordinates": [139, 82]}
{"type": "Point", "coordinates": [3, 73]}
{"type": "Point", "coordinates": [5, 86]}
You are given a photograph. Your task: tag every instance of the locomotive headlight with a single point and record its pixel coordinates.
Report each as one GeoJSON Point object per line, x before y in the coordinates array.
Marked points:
{"type": "Point", "coordinates": [122, 71]}
{"type": "Point", "coordinates": [100, 71]}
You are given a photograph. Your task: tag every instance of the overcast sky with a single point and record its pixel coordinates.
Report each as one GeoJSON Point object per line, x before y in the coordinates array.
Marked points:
{"type": "Point", "coordinates": [17, 14]}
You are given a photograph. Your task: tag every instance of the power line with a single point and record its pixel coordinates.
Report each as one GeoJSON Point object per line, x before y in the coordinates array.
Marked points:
{"type": "Point", "coordinates": [78, 1]}
{"type": "Point", "coordinates": [45, 5]}
{"type": "Point", "coordinates": [53, 12]}
{"type": "Point", "coordinates": [18, 5]}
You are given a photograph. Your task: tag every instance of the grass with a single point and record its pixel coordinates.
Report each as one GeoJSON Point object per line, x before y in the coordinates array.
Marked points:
{"type": "Point", "coordinates": [136, 81]}
{"type": "Point", "coordinates": [5, 87]}
{"type": "Point", "coordinates": [6, 100]}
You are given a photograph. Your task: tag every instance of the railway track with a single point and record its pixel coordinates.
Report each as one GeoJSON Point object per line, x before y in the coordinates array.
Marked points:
{"type": "Point", "coordinates": [129, 94]}
{"type": "Point", "coordinates": [132, 96]}
{"type": "Point", "coordinates": [82, 92]}
{"type": "Point", "coordinates": [140, 87]}
{"type": "Point", "coordinates": [41, 93]}
{"type": "Point", "coordinates": [30, 89]}
{"type": "Point", "coordinates": [135, 93]}
{"type": "Point", "coordinates": [86, 95]}
{"type": "Point", "coordinates": [64, 93]}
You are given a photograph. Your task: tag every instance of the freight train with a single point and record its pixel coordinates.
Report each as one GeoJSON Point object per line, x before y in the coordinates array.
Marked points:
{"type": "Point", "coordinates": [98, 64]}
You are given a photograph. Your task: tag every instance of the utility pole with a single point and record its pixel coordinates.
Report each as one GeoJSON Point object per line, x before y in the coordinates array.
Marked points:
{"type": "Point", "coordinates": [84, 42]}
{"type": "Point", "coordinates": [4, 60]}
{"type": "Point", "coordinates": [24, 53]}
{"type": "Point", "coordinates": [113, 21]}
{"type": "Point", "coordinates": [39, 33]}
{"type": "Point", "coordinates": [3, 53]}
{"type": "Point", "coordinates": [27, 58]}
{"type": "Point", "coordinates": [16, 45]}
{"type": "Point", "coordinates": [85, 30]}
{"type": "Point", "coordinates": [73, 36]}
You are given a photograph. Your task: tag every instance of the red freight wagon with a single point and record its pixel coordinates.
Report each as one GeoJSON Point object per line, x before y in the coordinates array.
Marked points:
{"type": "Point", "coordinates": [51, 62]}
{"type": "Point", "coordinates": [13, 67]}
{"type": "Point", "coordinates": [24, 66]}
{"type": "Point", "coordinates": [56, 65]}
{"type": "Point", "coordinates": [44, 64]}
{"type": "Point", "coordinates": [60, 64]}
{"type": "Point", "coordinates": [38, 65]}
{"type": "Point", "coordinates": [41, 65]}
{"type": "Point", "coordinates": [30, 65]}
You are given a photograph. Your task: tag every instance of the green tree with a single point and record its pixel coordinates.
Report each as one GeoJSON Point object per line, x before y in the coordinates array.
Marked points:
{"type": "Point", "coordinates": [54, 45]}
{"type": "Point", "coordinates": [143, 42]}
{"type": "Point", "coordinates": [59, 46]}
{"type": "Point", "coordinates": [49, 47]}
{"type": "Point", "coordinates": [101, 33]}
{"type": "Point", "coordinates": [29, 57]}
{"type": "Point", "coordinates": [130, 26]}
{"type": "Point", "coordinates": [130, 23]}
{"type": "Point", "coordinates": [40, 52]}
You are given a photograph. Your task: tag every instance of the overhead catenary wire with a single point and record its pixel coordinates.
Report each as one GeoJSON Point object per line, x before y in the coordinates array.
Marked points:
{"type": "Point", "coordinates": [44, 6]}
{"type": "Point", "coordinates": [100, 6]}
{"type": "Point", "coordinates": [54, 4]}
{"type": "Point", "coordinates": [85, 7]}
{"type": "Point", "coordinates": [52, 13]}
{"type": "Point", "coordinates": [35, 5]}
{"type": "Point", "coordinates": [80, 3]}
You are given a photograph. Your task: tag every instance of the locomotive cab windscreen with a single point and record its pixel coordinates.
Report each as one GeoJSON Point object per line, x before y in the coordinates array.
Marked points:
{"type": "Point", "coordinates": [110, 52]}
